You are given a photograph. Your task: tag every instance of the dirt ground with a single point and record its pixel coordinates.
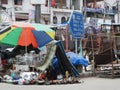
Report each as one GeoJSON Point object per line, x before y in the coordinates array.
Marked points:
{"type": "Point", "coordinates": [89, 83]}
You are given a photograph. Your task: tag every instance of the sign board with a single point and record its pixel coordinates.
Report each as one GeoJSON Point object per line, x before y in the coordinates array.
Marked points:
{"type": "Point", "coordinates": [37, 1]}
{"type": "Point", "coordinates": [76, 25]}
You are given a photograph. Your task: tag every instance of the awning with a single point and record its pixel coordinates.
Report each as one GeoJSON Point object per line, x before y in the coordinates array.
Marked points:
{"type": "Point", "coordinates": [21, 16]}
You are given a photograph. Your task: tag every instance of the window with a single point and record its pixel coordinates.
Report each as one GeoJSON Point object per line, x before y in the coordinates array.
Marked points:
{"type": "Point", "coordinates": [61, 3]}
{"type": "Point", "coordinates": [4, 1]}
{"type": "Point", "coordinates": [46, 3]}
{"type": "Point", "coordinates": [63, 20]}
{"type": "Point", "coordinates": [54, 20]}
{"type": "Point", "coordinates": [17, 2]}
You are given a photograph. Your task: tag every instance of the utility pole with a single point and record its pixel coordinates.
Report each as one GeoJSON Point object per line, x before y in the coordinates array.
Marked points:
{"type": "Point", "coordinates": [13, 11]}
{"type": "Point", "coordinates": [70, 4]}
{"type": "Point", "coordinates": [37, 4]}
{"type": "Point", "coordinates": [37, 13]}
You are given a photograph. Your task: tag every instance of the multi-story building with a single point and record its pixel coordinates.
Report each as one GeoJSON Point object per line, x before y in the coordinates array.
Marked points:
{"type": "Point", "coordinates": [58, 11]}
{"type": "Point", "coordinates": [102, 10]}
{"type": "Point", "coordinates": [52, 12]}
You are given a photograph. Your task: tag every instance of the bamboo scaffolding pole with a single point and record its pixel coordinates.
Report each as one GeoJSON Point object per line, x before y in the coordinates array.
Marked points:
{"type": "Point", "coordinates": [93, 62]}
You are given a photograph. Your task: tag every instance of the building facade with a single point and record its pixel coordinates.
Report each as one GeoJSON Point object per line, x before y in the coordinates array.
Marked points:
{"type": "Point", "coordinates": [52, 12]}
{"type": "Point", "coordinates": [58, 11]}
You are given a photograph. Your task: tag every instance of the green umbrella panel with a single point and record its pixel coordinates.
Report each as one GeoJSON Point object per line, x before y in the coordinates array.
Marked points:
{"type": "Point", "coordinates": [12, 37]}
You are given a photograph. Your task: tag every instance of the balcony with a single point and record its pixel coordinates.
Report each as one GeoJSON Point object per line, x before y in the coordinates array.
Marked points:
{"type": "Point", "coordinates": [100, 10]}
{"type": "Point", "coordinates": [94, 10]}
{"type": "Point", "coordinates": [110, 12]}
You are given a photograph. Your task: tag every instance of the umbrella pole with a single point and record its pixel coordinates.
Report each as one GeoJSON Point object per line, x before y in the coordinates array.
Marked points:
{"type": "Point", "coordinates": [25, 43]}
{"type": "Point", "coordinates": [26, 49]}
{"type": "Point", "coordinates": [26, 55]}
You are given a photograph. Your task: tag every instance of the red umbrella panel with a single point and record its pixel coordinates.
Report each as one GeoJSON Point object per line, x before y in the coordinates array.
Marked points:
{"type": "Point", "coordinates": [26, 37]}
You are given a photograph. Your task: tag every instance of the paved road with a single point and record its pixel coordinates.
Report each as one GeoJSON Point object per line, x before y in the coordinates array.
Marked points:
{"type": "Point", "coordinates": [91, 83]}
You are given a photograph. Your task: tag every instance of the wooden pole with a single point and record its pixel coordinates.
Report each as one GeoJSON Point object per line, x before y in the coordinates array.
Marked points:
{"type": "Point", "coordinates": [95, 4]}
{"type": "Point", "coordinates": [93, 62]}
{"type": "Point", "coordinates": [61, 3]}
{"type": "Point", "coordinates": [112, 58]}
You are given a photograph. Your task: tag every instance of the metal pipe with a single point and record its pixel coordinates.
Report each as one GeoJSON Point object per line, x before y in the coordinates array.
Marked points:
{"type": "Point", "coordinates": [104, 12]}
{"type": "Point", "coordinates": [118, 6]}
{"type": "Point", "coordinates": [0, 11]}
{"type": "Point", "coordinates": [67, 38]}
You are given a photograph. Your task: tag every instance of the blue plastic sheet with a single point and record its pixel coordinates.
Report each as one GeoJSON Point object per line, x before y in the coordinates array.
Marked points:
{"type": "Point", "coordinates": [77, 59]}
{"type": "Point", "coordinates": [74, 58]}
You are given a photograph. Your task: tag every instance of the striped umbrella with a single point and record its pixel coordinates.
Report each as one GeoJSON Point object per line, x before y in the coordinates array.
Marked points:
{"type": "Point", "coordinates": [24, 34]}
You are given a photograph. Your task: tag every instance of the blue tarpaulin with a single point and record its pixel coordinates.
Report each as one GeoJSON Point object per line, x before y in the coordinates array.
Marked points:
{"type": "Point", "coordinates": [74, 59]}
{"type": "Point", "coordinates": [77, 59]}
